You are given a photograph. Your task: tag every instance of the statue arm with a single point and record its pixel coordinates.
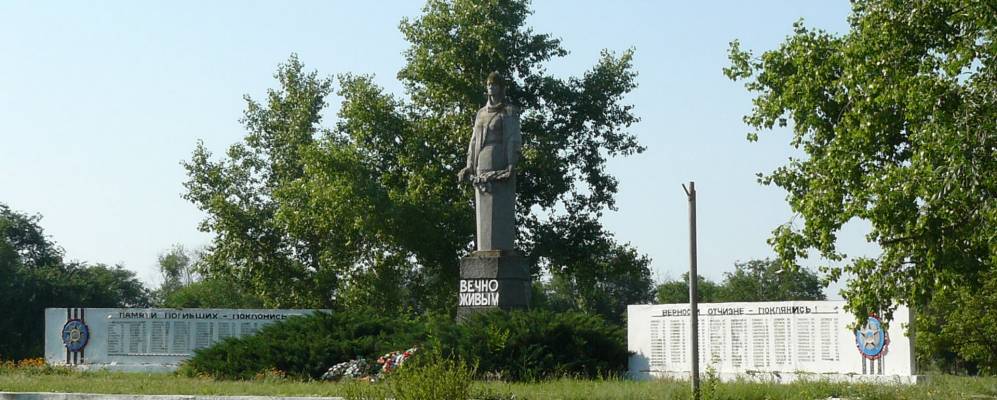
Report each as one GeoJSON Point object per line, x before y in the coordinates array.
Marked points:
{"type": "Point", "coordinates": [514, 138]}
{"type": "Point", "coordinates": [468, 171]}
{"type": "Point", "coordinates": [470, 151]}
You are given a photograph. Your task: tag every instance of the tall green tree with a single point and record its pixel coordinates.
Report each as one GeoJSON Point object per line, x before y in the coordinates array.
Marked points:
{"type": "Point", "coordinates": [176, 266]}
{"type": "Point", "coordinates": [677, 291]}
{"type": "Point", "coordinates": [243, 195]}
{"type": "Point", "coordinates": [754, 280]}
{"type": "Point", "coordinates": [768, 280]}
{"type": "Point", "coordinates": [212, 292]}
{"type": "Point", "coordinates": [896, 118]}
{"type": "Point", "coordinates": [184, 286]}
{"type": "Point", "coordinates": [100, 285]}
{"type": "Point", "coordinates": [615, 280]}
{"type": "Point", "coordinates": [370, 211]}
{"type": "Point", "coordinates": [33, 276]}
{"type": "Point", "coordinates": [957, 331]}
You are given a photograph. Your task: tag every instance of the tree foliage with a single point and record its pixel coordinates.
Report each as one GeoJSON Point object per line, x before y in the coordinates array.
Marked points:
{"type": "Point", "coordinates": [177, 270]}
{"type": "Point", "coordinates": [244, 196]}
{"type": "Point", "coordinates": [33, 276]}
{"type": "Point", "coordinates": [896, 118]}
{"type": "Point", "coordinates": [185, 287]}
{"type": "Point", "coordinates": [369, 212]}
{"type": "Point", "coordinates": [613, 280]}
{"type": "Point", "coordinates": [677, 291]}
{"type": "Point", "coordinates": [754, 280]}
{"type": "Point", "coordinates": [767, 280]}
{"type": "Point", "coordinates": [215, 292]}
{"type": "Point", "coordinates": [957, 331]}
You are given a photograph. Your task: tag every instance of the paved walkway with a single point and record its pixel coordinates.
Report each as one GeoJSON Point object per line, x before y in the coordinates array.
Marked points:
{"type": "Point", "coordinates": [93, 396]}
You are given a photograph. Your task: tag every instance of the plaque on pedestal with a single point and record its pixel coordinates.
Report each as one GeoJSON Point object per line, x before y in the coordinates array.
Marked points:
{"type": "Point", "coordinates": [493, 279]}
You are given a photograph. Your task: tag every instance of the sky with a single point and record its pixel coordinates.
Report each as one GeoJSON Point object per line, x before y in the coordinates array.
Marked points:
{"type": "Point", "coordinates": [101, 101]}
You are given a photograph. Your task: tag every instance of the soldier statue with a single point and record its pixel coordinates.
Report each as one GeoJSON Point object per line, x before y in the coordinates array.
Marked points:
{"type": "Point", "coordinates": [491, 167]}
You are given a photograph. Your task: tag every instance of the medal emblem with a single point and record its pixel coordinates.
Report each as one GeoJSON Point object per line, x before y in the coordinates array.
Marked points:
{"type": "Point", "coordinates": [75, 335]}
{"type": "Point", "coordinates": [871, 339]}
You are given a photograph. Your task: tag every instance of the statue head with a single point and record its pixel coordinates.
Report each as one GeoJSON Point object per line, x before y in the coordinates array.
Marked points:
{"type": "Point", "coordinates": [495, 85]}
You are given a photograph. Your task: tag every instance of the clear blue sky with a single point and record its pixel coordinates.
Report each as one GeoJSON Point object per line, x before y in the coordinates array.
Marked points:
{"type": "Point", "coordinates": [100, 102]}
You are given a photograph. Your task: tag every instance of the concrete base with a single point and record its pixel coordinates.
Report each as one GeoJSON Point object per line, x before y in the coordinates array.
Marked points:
{"type": "Point", "coordinates": [493, 279]}
{"type": "Point", "coordinates": [116, 367]}
{"type": "Point", "coordinates": [786, 377]}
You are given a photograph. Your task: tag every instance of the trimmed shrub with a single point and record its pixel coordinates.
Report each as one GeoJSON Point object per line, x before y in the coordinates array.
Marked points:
{"type": "Point", "coordinates": [306, 346]}
{"type": "Point", "coordinates": [515, 346]}
{"type": "Point", "coordinates": [537, 344]}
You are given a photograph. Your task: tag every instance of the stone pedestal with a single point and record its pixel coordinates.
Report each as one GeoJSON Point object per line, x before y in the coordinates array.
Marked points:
{"type": "Point", "coordinates": [493, 279]}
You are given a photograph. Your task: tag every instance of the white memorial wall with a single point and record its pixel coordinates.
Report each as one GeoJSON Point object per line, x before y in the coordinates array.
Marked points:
{"type": "Point", "coordinates": [778, 341]}
{"type": "Point", "coordinates": [145, 339]}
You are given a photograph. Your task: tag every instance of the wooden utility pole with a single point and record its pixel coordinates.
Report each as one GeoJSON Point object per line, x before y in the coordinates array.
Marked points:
{"type": "Point", "coordinates": [690, 192]}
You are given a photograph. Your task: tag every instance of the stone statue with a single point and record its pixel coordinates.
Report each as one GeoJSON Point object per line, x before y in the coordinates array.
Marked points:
{"type": "Point", "coordinates": [491, 167]}
{"type": "Point", "coordinates": [494, 276]}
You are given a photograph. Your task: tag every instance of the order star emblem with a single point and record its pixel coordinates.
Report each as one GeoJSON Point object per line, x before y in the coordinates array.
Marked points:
{"type": "Point", "coordinates": [75, 335]}
{"type": "Point", "coordinates": [871, 339]}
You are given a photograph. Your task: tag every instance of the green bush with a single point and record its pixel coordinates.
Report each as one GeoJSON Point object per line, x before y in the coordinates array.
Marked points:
{"type": "Point", "coordinates": [305, 347]}
{"type": "Point", "coordinates": [537, 344]}
{"type": "Point", "coordinates": [514, 346]}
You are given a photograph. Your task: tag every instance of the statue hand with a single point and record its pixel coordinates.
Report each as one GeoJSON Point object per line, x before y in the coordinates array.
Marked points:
{"type": "Point", "coordinates": [464, 175]}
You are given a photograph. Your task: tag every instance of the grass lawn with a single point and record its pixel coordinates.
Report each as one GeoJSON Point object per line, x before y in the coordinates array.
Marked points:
{"type": "Point", "coordinates": [938, 387]}
{"type": "Point", "coordinates": [60, 380]}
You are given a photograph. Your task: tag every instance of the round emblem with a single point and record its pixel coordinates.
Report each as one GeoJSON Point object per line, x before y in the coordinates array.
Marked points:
{"type": "Point", "coordinates": [871, 339]}
{"type": "Point", "coordinates": [75, 335]}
